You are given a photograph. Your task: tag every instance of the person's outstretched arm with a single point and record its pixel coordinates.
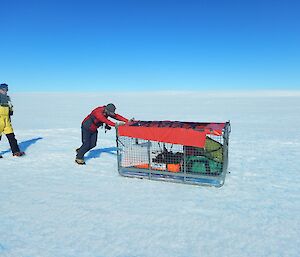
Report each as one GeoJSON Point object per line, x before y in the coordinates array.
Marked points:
{"type": "Point", "coordinates": [120, 118]}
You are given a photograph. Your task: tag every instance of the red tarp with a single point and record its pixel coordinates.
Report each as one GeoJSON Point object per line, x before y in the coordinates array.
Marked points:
{"type": "Point", "coordinates": [174, 132]}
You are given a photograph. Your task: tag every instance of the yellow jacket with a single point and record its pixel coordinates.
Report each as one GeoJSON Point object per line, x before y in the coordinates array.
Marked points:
{"type": "Point", "coordinates": [5, 124]}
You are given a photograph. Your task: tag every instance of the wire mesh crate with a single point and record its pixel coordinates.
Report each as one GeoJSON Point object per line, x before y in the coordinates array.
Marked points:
{"type": "Point", "coordinates": [186, 152]}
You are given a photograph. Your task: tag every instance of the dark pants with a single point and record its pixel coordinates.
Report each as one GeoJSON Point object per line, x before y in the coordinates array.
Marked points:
{"type": "Point", "coordinates": [89, 141]}
{"type": "Point", "coordinates": [12, 142]}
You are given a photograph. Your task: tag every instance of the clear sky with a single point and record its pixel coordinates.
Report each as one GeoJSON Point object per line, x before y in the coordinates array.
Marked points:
{"type": "Point", "coordinates": [89, 45]}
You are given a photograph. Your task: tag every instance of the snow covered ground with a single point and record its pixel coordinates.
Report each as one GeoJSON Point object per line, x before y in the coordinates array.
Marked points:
{"type": "Point", "coordinates": [50, 207]}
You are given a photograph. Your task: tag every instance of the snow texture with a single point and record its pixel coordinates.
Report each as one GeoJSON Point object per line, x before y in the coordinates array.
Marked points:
{"type": "Point", "coordinates": [51, 207]}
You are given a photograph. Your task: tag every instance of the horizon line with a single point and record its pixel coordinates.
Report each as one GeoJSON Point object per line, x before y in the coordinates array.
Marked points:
{"type": "Point", "coordinates": [223, 93]}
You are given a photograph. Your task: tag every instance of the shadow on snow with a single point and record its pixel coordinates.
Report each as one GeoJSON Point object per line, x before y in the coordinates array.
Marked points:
{"type": "Point", "coordinates": [24, 145]}
{"type": "Point", "coordinates": [97, 152]}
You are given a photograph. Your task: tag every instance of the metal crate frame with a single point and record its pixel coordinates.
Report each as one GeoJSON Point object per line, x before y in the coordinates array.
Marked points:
{"type": "Point", "coordinates": [127, 145]}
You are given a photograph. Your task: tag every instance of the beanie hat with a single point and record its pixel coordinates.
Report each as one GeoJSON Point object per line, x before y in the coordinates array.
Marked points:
{"type": "Point", "coordinates": [4, 86]}
{"type": "Point", "coordinates": [110, 109]}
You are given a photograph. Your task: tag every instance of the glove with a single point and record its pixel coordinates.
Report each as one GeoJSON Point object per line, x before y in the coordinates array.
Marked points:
{"type": "Point", "coordinates": [11, 111]}
{"type": "Point", "coordinates": [120, 123]}
{"type": "Point", "coordinates": [107, 127]}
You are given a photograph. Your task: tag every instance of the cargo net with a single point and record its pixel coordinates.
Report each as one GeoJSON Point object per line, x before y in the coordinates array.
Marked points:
{"type": "Point", "coordinates": [157, 156]}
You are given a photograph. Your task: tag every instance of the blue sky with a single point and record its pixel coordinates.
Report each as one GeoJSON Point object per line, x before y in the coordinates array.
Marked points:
{"type": "Point", "coordinates": [89, 45]}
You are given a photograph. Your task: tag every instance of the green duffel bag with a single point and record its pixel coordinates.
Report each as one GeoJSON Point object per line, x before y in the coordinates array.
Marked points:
{"type": "Point", "coordinates": [203, 165]}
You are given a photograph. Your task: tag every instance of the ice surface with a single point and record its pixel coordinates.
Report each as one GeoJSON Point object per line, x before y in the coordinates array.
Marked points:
{"type": "Point", "coordinates": [50, 207]}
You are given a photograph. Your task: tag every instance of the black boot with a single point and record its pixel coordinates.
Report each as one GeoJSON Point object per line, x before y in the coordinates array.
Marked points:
{"type": "Point", "coordinates": [14, 145]}
{"type": "Point", "coordinates": [80, 161]}
{"type": "Point", "coordinates": [18, 154]}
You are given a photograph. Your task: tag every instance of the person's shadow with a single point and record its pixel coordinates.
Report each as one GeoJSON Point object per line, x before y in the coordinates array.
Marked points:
{"type": "Point", "coordinates": [24, 145]}
{"type": "Point", "coordinates": [97, 152]}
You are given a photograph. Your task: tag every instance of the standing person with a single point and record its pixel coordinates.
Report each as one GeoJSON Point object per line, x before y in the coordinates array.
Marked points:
{"type": "Point", "coordinates": [89, 128]}
{"type": "Point", "coordinates": [6, 111]}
